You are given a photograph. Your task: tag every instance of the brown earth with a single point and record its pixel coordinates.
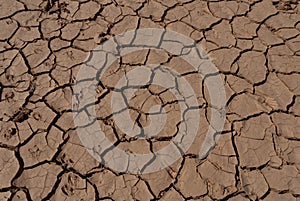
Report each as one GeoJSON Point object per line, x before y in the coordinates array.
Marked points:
{"type": "Point", "coordinates": [255, 44]}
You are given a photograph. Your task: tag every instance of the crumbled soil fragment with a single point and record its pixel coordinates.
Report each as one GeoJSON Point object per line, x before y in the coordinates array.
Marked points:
{"type": "Point", "coordinates": [21, 115]}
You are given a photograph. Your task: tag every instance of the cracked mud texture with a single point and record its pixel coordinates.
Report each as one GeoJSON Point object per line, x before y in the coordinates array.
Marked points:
{"type": "Point", "coordinates": [255, 44]}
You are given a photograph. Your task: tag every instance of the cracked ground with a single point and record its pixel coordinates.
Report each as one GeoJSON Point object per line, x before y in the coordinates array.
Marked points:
{"type": "Point", "coordinates": [255, 44]}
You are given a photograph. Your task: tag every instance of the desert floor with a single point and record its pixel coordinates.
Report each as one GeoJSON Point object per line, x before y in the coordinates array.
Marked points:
{"type": "Point", "coordinates": [254, 44]}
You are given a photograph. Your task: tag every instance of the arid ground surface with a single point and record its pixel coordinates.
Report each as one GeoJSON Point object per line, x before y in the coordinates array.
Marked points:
{"type": "Point", "coordinates": [255, 44]}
